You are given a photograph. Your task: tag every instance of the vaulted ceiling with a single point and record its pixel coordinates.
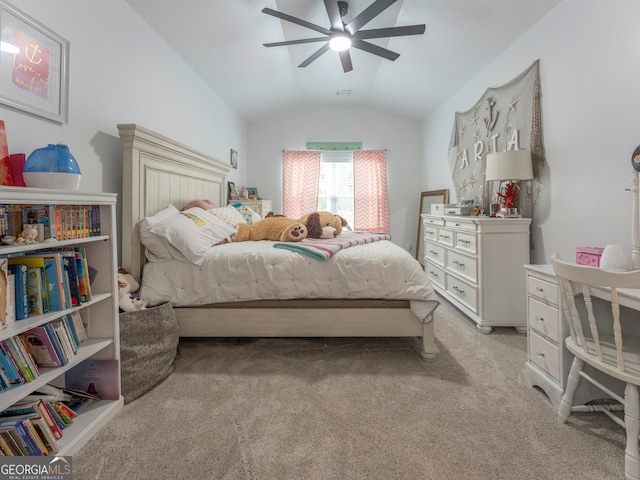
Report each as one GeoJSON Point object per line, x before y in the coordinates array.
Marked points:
{"type": "Point", "coordinates": [223, 41]}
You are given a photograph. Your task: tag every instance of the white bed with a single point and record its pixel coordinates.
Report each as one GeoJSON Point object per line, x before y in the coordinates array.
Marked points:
{"type": "Point", "coordinates": [158, 171]}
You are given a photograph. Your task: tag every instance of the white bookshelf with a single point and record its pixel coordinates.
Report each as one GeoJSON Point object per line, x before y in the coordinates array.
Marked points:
{"type": "Point", "coordinates": [101, 311]}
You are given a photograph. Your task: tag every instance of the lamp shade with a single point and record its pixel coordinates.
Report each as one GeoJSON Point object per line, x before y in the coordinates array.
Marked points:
{"type": "Point", "coordinates": [511, 165]}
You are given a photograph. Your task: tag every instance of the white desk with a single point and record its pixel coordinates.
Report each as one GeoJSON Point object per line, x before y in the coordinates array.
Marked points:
{"type": "Point", "coordinates": [548, 360]}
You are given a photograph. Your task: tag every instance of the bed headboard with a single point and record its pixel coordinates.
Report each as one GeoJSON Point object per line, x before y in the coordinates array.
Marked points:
{"type": "Point", "coordinates": [157, 171]}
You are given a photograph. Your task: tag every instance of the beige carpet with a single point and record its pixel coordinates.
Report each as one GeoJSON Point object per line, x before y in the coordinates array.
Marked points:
{"type": "Point", "coordinates": [350, 409]}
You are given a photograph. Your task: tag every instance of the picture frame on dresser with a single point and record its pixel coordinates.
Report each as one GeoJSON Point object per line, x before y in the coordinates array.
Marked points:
{"type": "Point", "coordinates": [252, 193]}
{"type": "Point", "coordinates": [42, 88]}
{"type": "Point", "coordinates": [426, 200]}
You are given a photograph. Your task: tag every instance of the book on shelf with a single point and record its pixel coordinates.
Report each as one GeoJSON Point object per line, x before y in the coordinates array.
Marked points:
{"type": "Point", "coordinates": [71, 269]}
{"type": "Point", "coordinates": [10, 367]}
{"type": "Point", "coordinates": [14, 441]}
{"type": "Point", "coordinates": [40, 345]}
{"type": "Point", "coordinates": [11, 298]}
{"type": "Point", "coordinates": [19, 272]}
{"type": "Point", "coordinates": [34, 407]}
{"type": "Point", "coordinates": [26, 433]}
{"type": "Point", "coordinates": [5, 294]}
{"type": "Point", "coordinates": [98, 377]}
{"type": "Point", "coordinates": [35, 287]}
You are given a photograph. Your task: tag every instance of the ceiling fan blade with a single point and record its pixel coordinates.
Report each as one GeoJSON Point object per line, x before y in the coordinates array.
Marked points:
{"type": "Point", "coordinates": [391, 32]}
{"type": "Point", "coordinates": [313, 57]}
{"type": "Point", "coordinates": [297, 21]}
{"type": "Point", "coordinates": [368, 14]}
{"type": "Point", "coordinates": [345, 58]}
{"type": "Point", "coordinates": [295, 42]}
{"type": "Point", "coordinates": [375, 49]}
{"type": "Point", "coordinates": [334, 15]}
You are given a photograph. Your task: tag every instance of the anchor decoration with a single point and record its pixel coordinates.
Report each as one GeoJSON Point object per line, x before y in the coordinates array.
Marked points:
{"type": "Point", "coordinates": [490, 122]}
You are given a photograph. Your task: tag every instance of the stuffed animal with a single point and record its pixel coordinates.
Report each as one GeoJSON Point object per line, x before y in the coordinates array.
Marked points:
{"type": "Point", "coordinates": [131, 303]}
{"type": "Point", "coordinates": [126, 286]}
{"type": "Point", "coordinates": [278, 229]}
{"type": "Point", "coordinates": [323, 224]}
{"type": "Point", "coordinates": [28, 235]}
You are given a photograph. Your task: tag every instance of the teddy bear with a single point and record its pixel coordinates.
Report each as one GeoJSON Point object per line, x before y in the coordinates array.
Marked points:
{"type": "Point", "coordinates": [278, 229]}
{"type": "Point", "coordinates": [323, 224]}
{"type": "Point", "coordinates": [127, 285]}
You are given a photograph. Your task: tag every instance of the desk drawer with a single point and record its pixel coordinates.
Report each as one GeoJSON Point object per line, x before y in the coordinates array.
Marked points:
{"type": "Point", "coordinates": [430, 231]}
{"type": "Point", "coordinates": [544, 319]}
{"type": "Point", "coordinates": [544, 354]}
{"type": "Point", "coordinates": [543, 290]}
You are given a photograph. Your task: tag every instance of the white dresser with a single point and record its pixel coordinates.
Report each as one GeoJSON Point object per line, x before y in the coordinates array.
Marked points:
{"type": "Point", "coordinates": [476, 264]}
{"type": "Point", "coordinates": [548, 360]}
{"type": "Point", "coordinates": [261, 207]}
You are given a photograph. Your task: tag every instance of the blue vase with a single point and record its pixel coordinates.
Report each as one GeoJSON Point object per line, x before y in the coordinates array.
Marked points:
{"type": "Point", "coordinates": [52, 166]}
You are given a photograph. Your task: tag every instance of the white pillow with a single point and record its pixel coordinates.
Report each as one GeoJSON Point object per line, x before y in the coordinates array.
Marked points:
{"type": "Point", "coordinates": [191, 233]}
{"type": "Point", "coordinates": [227, 214]}
{"type": "Point", "coordinates": [155, 247]}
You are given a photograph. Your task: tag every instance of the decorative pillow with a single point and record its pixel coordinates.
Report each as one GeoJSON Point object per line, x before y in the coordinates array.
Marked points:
{"type": "Point", "coordinates": [228, 214]}
{"type": "Point", "coordinates": [156, 249]}
{"type": "Point", "coordinates": [249, 215]}
{"type": "Point", "coordinates": [191, 233]}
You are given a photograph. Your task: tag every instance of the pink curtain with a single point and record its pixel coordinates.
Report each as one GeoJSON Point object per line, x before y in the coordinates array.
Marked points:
{"type": "Point", "coordinates": [371, 203]}
{"type": "Point", "coordinates": [301, 178]}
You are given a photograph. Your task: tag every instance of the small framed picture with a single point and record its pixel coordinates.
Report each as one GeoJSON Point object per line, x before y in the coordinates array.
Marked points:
{"type": "Point", "coordinates": [252, 193]}
{"type": "Point", "coordinates": [234, 158]}
{"type": "Point", "coordinates": [232, 193]}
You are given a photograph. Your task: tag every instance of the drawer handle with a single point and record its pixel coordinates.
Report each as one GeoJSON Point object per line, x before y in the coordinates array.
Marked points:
{"type": "Point", "coordinates": [434, 274]}
{"type": "Point", "coordinates": [540, 319]}
{"type": "Point", "coordinates": [540, 354]}
{"type": "Point", "coordinates": [540, 289]}
{"type": "Point", "coordinates": [465, 241]}
{"type": "Point", "coordinates": [458, 224]}
{"type": "Point", "coordinates": [433, 253]}
{"type": "Point", "coordinates": [458, 290]}
{"type": "Point", "coordinates": [445, 237]}
{"type": "Point", "coordinates": [456, 262]}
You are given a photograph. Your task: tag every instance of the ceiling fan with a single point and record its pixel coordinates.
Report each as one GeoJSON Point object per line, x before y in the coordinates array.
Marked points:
{"type": "Point", "coordinates": [349, 34]}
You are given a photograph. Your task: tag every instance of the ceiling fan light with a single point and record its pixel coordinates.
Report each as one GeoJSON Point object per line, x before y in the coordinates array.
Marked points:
{"type": "Point", "coordinates": [339, 43]}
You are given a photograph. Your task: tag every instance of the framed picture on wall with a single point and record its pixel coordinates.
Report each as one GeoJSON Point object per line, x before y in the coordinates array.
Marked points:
{"type": "Point", "coordinates": [34, 66]}
{"type": "Point", "coordinates": [234, 158]}
{"type": "Point", "coordinates": [426, 200]}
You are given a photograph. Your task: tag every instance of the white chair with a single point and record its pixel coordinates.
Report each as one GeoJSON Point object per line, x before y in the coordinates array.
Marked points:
{"type": "Point", "coordinates": [597, 338]}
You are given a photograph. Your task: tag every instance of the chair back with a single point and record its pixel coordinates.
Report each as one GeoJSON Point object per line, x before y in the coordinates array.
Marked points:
{"type": "Point", "coordinates": [596, 331]}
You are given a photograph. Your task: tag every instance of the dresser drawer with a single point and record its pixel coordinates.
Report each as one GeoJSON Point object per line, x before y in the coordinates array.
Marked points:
{"type": "Point", "coordinates": [435, 253]}
{"type": "Point", "coordinates": [463, 264]}
{"type": "Point", "coordinates": [544, 354]}
{"type": "Point", "coordinates": [436, 274]}
{"type": "Point", "coordinates": [543, 290]}
{"type": "Point", "coordinates": [433, 221]}
{"type": "Point", "coordinates": [466, 241]}
{"type": "Point", "coordinates": [460, 225]}
{"type": "Point", "coordinates": [430, 231]}
{"type": "Point", "coordinates": [463, 292]}
{"type": "Point", "coordinates": [445, 236]}
{"type": "Point", "coordinates": [544, 319]}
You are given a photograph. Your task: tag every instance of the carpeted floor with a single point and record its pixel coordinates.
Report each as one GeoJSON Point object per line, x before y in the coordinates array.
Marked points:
{"type": "Point", "coordinates": [351, 409]}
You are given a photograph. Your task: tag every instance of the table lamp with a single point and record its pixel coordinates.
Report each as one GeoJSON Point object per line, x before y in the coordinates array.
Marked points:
{"type": "Point", "coordinates": [509, 166]}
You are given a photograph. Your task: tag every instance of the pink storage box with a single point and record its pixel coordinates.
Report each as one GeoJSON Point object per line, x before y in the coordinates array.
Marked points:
{"type": "Point", "coordinates": [588, 256]}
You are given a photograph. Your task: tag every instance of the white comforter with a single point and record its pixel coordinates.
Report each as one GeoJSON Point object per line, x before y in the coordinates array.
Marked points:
{"type": "Point", "coordinates": [246, 271]}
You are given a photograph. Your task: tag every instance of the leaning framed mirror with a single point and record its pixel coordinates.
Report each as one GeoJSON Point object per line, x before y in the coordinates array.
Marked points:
{"type": "Point", "coordinates": [426, 200]}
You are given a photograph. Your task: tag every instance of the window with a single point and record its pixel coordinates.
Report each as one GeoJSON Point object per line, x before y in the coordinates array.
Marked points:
{"type": "Point", "coordinates": [335, 186]}
{"type": "Point", "coordinates": [353, 184]}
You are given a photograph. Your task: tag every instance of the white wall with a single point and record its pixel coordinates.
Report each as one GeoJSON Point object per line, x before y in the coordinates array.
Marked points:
{"type": "Point", "coordinates": [401, 137]}
{"type": "Point", "coordinates": [121, 72]}
{"type": "Point", "coordinates": [589, 53]}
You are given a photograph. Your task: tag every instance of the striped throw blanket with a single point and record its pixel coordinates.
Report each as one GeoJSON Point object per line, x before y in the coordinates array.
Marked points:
{"type": "Point", "coordinates": [324, 248]}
